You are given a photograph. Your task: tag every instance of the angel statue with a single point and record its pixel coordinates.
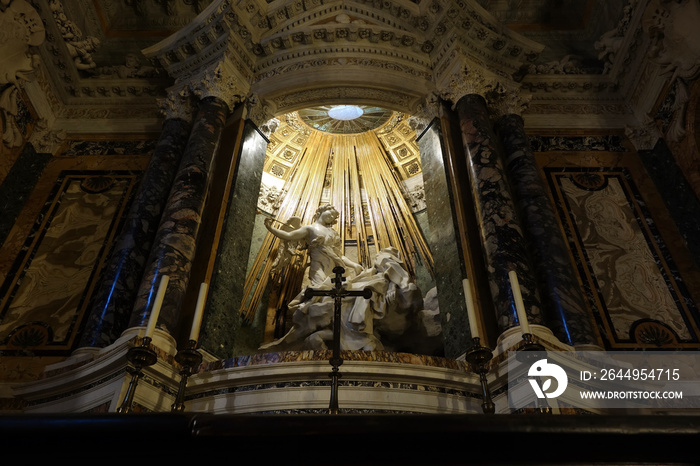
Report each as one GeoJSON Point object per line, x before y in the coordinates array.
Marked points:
{"type": "Point", "coordinates": [321, 240]}
{"type": "Point", "coordinates": [393, 293]}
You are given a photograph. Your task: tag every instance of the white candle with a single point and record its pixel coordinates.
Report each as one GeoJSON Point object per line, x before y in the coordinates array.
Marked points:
{"type": "Point", "coordinates": [471, 313]}
{"type": "Point", "coordinates": [198, 312]}
{"type": "Point", "coordinates": [519, 305]}
{"type": "Point", "coordinates": [156, 306]}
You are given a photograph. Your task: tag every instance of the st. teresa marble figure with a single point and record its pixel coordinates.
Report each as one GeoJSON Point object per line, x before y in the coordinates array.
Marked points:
{"type": "Point", "coordinates": [391, 311]}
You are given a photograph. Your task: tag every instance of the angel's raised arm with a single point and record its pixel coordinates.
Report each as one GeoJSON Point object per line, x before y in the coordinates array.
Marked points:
{"type": "Point", "coordinates": [290, 235]}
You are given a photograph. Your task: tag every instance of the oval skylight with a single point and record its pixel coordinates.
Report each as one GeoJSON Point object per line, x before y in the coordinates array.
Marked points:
{"type": "Point", "coordinates": [345, 119]}
{"type": "Point", "coordinates": [345, 112]}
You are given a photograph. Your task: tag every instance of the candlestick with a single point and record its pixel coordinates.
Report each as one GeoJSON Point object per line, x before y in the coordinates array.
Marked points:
{"type": "Point", "coordinates": [479, 358]}
{"type": "Point", "coordinates": [160, 295]}
{"type": "Point", "coordinates": [139, 356]}
{"type": "Point", "coordinates": [199, 312]}
{"type": "Point", "coordinates": [471, 313]}
{"type": "Point", "coordinates": [190, 359]}
{"type": "Point", "coordinates": [519, 305]}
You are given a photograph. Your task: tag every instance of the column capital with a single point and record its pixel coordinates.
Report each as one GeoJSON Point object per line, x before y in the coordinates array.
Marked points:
{"type": "Point", "coordinates": [178, 104]}
{"type": "Point", "coordinates": [645, 135]}
{"type": "Point", "coordinates": [504, 101]}
{"type": "Point", "coordinates": [261, 112]}
{"type": "Point", "coordinates": [425, 113]}
{"type": "Point", "coordinates": [503, 98]}
{"type": "Point", "coordinates": [45, 139]}
{"type": "Point", "coordinates": [467, 80]}
{"type": "Point", "coordinates": [218, 82]}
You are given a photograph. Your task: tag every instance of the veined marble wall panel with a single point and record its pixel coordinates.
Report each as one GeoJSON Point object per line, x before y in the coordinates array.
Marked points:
{"type": "Point", "coordinates": [635, 289]}
{"type": "Point", "coordinates": [111, 146]}
{"type": "Point", "coordinates": [51, 260]}
{"type": "Point", "coordinates": [48, 286]}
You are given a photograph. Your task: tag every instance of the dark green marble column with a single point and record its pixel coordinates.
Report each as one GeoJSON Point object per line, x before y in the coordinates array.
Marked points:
{"type": "Point", "coordinates": [502, 237]}
{"type": "Point", "coordinates": [562, 299]}
{"type": "Point", "coordinates": [222, 331]}
{"type": "Point", "coordinates": [175, 241]}
{"type": "Point", "coordinates": [113, 300]}
{"type": "Point", "coordinates": [444, 243]}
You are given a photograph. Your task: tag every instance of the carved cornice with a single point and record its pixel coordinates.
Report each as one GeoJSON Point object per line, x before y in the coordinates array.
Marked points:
{"type": "Point", "coordinates": [485, 41]}
{"type": "Point", "coordinates": [585, 107]}
{"type": "Point", "coordinates": [280, 56]}
{"type": "Point", "coordinates": [216, 35]}
{"type": "Point", "coordinates": [313, 97]}
{"type": "Point", "coordinates": [352, 25]}
{"type": "Point", "coordinates": [264, 20]}
{"type": "Point", "coordinates": [424, 29]}
{"type": "Point", "coordinates": [346, 57]}
{"type": "Point", "coordinates": [209, 55]}
{"type": "Point", "coordinates": [570, 84]}
{"type": "Point", "coordinates": [73, 80]}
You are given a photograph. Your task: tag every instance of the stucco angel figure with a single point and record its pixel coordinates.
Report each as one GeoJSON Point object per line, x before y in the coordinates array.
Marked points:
{"type": "Point", "coordinates": [392, 291]}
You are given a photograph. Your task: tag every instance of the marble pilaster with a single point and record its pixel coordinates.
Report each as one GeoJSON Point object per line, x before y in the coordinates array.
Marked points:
{"type": "Point", "coordinates": [112, 302]}
{"type": "Point", "coordinates": [176, 239]}
{"type": "Point", "coordinates": [562, 300]}
{"type": "Point", "coordinates": [502, 237]}
{"type": "Point", "coordinates": [677, 194]}
{"type": "Point", "coordinates": [443, 242]}
{"type": "Point", "coordinates": [18, 184]}
{"type": "Point", "coordinates": [222, 332]}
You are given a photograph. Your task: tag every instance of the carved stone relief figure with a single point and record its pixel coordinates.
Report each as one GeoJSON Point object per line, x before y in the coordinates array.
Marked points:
{"type": "Point", "coordinates": [270, 199]}
{"type": "Point", "coordinates": [609, 43]}
{"type": "Point", "coordinates": [79, 48]}
{"type": "Point", "coordinates": [673, 29]}
{"type": "Point", "coordinates": [20, 29]}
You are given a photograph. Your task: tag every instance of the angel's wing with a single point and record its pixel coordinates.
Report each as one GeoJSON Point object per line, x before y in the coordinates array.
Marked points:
{"type": "Point", "coordinates": [293, 223]}
{"type": "Point", "coordinates": [288, 249]}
